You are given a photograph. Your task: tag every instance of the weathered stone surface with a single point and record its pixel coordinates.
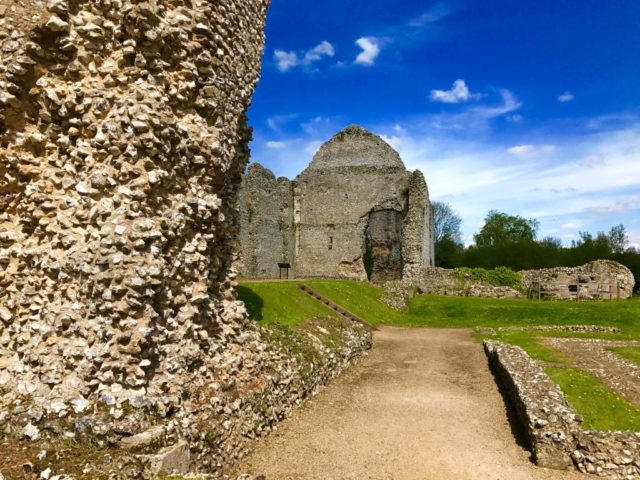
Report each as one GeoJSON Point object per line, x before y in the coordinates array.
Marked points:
{"type": "Point", "coordinates": [123, 138]}
{"type": "Point", "coordinates": [266, 219]}
{"type": "Point", "coordinates": [553, 427]}
{"type": "Point", "coordinates": [599, 280]}
{"type": "Point", "coordinates": [354, 208]}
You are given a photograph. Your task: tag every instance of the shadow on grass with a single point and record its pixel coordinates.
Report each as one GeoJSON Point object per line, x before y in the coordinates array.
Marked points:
{"type": "Point", "coordinates": [517, 428]}
{"type": "Point", "coordinates": [253, 302]}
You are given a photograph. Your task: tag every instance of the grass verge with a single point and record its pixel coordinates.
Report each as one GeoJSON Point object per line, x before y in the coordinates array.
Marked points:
{"type": "Point", "coordinates": [601, 408]}
{"type": "Point", "coordinates": [630, 353]}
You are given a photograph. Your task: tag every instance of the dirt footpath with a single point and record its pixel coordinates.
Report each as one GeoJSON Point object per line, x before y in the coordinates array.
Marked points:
{"type": "Point", "coordinates": [424, 405]}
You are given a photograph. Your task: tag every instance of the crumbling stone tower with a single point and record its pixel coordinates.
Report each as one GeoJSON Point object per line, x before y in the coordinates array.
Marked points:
{"type": "Point", "coordinates": [122, 142]}
{"type": "Point", "coordinates": [355, 212]}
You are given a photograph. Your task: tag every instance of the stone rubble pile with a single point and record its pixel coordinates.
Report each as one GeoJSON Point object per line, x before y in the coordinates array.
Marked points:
{"type": "Point", "coordinates": [123, 138]}
{"type": "Point", "coordinates": [553, 427]}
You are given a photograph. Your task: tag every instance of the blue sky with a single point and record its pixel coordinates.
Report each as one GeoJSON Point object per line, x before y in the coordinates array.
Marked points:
{"type": "Point", "coordinates": [528, 107]}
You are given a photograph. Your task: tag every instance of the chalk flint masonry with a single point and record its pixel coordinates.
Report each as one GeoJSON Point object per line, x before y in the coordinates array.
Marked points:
{"type": "Point", "coordinates": [123, 138]}
{"type": "Point", "coordinates": [355, 212]}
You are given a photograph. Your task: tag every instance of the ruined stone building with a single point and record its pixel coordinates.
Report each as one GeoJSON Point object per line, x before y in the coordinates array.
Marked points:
{"type": "Point", "coordinates": [599, 280]}
{"type": "Point", "coordinates": [355, 212]}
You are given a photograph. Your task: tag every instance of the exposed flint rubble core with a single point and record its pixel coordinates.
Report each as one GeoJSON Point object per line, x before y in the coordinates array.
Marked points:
{"type": "Point", "coordinates": [123, 138]}
{"type": "Point", "coordinates": [355, 212]}
{"type": "Point", "coordinates": [599, 280]}
{"type": "Point", "coordinates": [553, 427]}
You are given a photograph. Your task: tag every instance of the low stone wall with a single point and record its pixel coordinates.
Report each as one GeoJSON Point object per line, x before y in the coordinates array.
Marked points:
{"type": "Point", "coordinates": [553, 427]}
{"type": "Point", "coordinates": [439, 281]}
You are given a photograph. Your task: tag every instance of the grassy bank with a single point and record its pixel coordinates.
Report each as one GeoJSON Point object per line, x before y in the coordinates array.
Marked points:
{"type": "Point", "coordinates": [283, 303]}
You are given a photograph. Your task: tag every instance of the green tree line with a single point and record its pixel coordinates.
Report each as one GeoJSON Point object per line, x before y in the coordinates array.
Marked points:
{"type": "Point", "coordinates": [512, 241]}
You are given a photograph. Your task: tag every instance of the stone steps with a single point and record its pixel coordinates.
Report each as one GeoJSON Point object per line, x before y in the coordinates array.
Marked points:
{"type": "Point", "coordinates": [334, 306]}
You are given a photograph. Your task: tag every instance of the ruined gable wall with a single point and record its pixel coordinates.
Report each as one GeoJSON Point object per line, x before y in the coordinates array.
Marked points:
{"type": "Point", "coordinates": [266, 223]}
{"type": "Point", "coordinates": [335, 204]}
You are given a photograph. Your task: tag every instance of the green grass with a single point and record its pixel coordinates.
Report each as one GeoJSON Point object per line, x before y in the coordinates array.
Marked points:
{"type": "Point", "coordinates": [530, 343]}
{"type": "Point", "coordinates": [630, 353]}
{"type": "Point", "coordinates": [283, 303]}
{"type": "Point", "coordinates": [280, 303]}
{"type": "Point", "coordinates": [601, 408]}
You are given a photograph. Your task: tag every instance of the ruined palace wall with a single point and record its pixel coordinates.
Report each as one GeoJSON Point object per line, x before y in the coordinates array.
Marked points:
{"type": "Point", "coordinates": [266, 223]}
{"type": "Point", "coordinates": [332, 208]}
{"type": "Point", "coordinates": [418, 241]}
{"type": "Point", "coordinates": [599, 280]}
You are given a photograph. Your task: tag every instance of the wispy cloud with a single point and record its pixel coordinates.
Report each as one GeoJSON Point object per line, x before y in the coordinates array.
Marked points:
{"type": "Point", "coordinates": [566, 97]}
{"type": "Point", "coordinates": [278, 122]}
{"type": "Point", "coordinates": [528, 151]}
{"type": "Point", "coordinates": [459, 93]}
{"type": "Point", "coordinates": [286, 60]}
{"type": "Point", "coordinates": [276, 145]}
{"type": "Point", "coordinates": [559, 191]}
{"type": "Point", "coordinates": [371, 47]}
{"type": "Point", "coordinates": [620, 206]}
{"type": "Point", "coordinates": [438, 12]}
{"type": "Point", "coordinates": [572, 226]}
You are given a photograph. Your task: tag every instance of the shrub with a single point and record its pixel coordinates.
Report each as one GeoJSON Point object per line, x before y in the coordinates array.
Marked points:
{"type": "Point", "coordinates": [500, 277]}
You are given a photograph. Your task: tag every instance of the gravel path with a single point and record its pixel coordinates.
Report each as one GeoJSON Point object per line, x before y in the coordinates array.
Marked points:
{"type": "Point", "coordinates": [423, 405]}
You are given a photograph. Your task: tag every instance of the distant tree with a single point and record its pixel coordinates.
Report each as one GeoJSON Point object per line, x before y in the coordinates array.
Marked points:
{"type": "Point", "coordinates": [618, 239]}
{"type": "Point", "coordinates": [446, 223]}
{"type": "Point", "coordinates": [501, 228]}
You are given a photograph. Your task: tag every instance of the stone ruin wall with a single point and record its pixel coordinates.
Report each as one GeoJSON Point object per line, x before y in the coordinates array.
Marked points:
{"type": "Point", "coordinates": [266, 219]}
{"type": "Point", "coordinates": [355, 194]}
{"type": "Point", "coordinates": [419, 235]}
{"type": "Point", "coordinates": [333, 218]}
{"type": "Point", "coordinates": [123, 138]}
{"type": "Point", "coordinates": [599, 280]}
{"type": "Point", "coordinates": [553, 428]}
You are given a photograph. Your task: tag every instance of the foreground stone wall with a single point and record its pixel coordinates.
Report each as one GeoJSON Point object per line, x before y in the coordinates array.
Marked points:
{"type": "Point", "coordinates": [553, 427]}
{"type": "Point", "coordinates": [599, 280]}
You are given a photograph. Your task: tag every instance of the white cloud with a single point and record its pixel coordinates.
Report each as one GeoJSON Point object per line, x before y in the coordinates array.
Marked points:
{"type": "Point", "coordinates": [527, 151]}
{"type": "Point", "coordinates": [276, 122]}
{"type": "Point", "coordinates": [571, 226]}
{"type": "Point", "coordinates": [557, 192]}
{"type": "Point", "coordinates": [437, 13]}
{"type": "Point", "coordinates": [566, 97]}
{"type": "Point", "coordinates": [620, 206]}
{"type": "Point", "coordinates": [509, 104]}
{"type": "Point", "coordinates": [276, 145]}
{"type": "Point", "coordinates": [591, 161]}
{"type": "Point", "coordinates": [459, 93]}
{"type": "Point", "coordinates": [371, 47]}
{"type": "Point", "coordinates": [316, 53]}
{"type": "Point", "coordinates": [634, 239]}
{"type": "Point", "coordinates": [285, 61]}
{"type": "Point", "coordinates": [515, 118]}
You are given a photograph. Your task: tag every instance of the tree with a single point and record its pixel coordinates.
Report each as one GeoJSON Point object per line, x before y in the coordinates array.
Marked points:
{"type": "Point", "coordinates": [446, 223]}
{"type": "Point", "coordinates": [618, 239]}
{"type": "Point", "coordinates": [501, 228]}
